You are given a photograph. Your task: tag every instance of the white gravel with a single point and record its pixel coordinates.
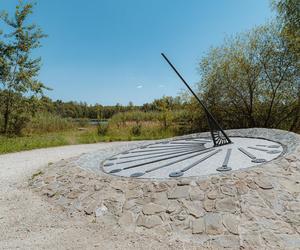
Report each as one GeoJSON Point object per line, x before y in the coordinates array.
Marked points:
{"type": "Point", "coordinates": [18, 166]}
{"type": "Point", "coordinates": [28, 222]}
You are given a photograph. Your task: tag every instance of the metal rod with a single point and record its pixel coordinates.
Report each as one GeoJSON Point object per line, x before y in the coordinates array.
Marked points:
{"type": "Point", "coordinates": [158, 149]}
{"type": "Point", "coordinates": [247, 153]}
{"type": "Point", "coordinates": [208, 114]}
{"type": "Point", "coordinates": [170, 148]}
{"type": "Point", "coordinates": [151, 153]}
{"type": "Point", "coordinates": [186, 84]}
{"type": "Point", "coordinates": [138, 174]}
{"type": "Point", "coordinates": [274, 146]}
{"type": "Point", "coordinates": [156, 156]}
{"type": "Point", "coordinates": [259, 149]}
{"type": "Point", "coordinates": [176, 146]}
{"type": "Point", "coordinates": [191, 138]}
{"type": "Point", "coordinates": [224, 166]}
{"type": "Point", "coordinates": [225, 163]}
{"type": "Point", "coordinates": [181, 172]}
{"type": "Point", "coordinates": [149, 162]}
{"type": "Point", "coordinates": [187, 143]}
{"type": "Point", "coordinates": [254, 159]}
{"type": "Point", "coordinates": [201, 160]}
{"type": "Point", "coordinates": [269, 146]}
{"type": "Point", "coordinates": [266, 150]}
{"type": "Point", "coordinates": [200, 140]}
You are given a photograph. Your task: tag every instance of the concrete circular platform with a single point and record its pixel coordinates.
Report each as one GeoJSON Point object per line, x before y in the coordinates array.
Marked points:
{"type": "Point", "coordinates": [190, 157]}
{"type": "Point", "coordinates": [255, 207]}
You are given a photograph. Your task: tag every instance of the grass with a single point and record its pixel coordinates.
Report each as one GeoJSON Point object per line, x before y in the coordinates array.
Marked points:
{"type": "Point", "coordinates": [71, 137]}
{"type": "Point", "coordinates": [15, 144]}
{"type": "Point", "coordinates": [48, 130]}
{"type": "Point", "coordinates": [47, 123]}
{"type": "Point", "coordinates": [36, 174]}
{"type": "Point", "coordinates": [45, 140]}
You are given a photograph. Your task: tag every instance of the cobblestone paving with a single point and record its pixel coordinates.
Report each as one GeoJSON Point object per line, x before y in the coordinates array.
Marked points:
{"type": "Point", "coordinates": [256, 208]}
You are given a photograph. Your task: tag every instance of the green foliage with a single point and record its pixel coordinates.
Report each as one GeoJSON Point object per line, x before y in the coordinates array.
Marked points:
{"type": "Point", "coordinates": [36, 174]}
{"type": "Point", "coordinates": [18, 69]}
{"type": "Point", "coordinates": [150, 125]}
{"type": "Point", "coordinates": [102, 129]}
{"type": "Point", "coordinates": [136, 130]}
{"type": "Point", "coordinates": [166, 118]}
{"type": "Point", "coordinates": [289, 15]}
{"type": "Point", "coordinates": [17, 123]}
{"type": "Point", "coordinates": [71, 137]}
{"type": "Point", "coordinates": [251, 80]}
{"type": "Point", "coordinates": [135, 116]}
{"type": "Point", "coordinates": [51, 139]}
{"type": "Point", "coordinates": [83, 110]}
{"type": "Point", "coordinates": [46, 123]}
{"type": "Point", "coordinates": [20, 143]}
{"type": "Point", "coordinates": [19, 115]}
{"type": "Point", "coordinates": [82, 122]}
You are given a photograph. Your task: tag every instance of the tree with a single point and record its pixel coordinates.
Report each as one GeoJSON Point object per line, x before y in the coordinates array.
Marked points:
{"type": "Point", "coordinates": [289, 16]}
{"type": "Point", "coordinates": [251, 80]}
{"type": "Point", "coordinates": [18, 69]}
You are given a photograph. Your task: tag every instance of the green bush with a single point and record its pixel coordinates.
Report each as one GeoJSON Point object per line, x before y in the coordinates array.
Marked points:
{"type": "Point", "coordinates": [102, 129]}
{"type": "Point", "coordinates": [47, 122]}
{"type": "Point", "coordinates": [17, 123]}
{"type": "Point", "coordinates": [83, 122]}
{"type": "Point", "coordinates": [136, 130]}
{"type": "Point", "coordinates": [155, 124]}
{"type": "Point", "coordinates": [135, 116]}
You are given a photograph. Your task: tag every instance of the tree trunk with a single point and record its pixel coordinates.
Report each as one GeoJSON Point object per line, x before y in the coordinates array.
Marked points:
{"type": "Point", "coordinates": [7, 112]}
{"type": "Point", "coordinates": [293, 126]}
{"type": "Point", "coordinates": [296, 116]}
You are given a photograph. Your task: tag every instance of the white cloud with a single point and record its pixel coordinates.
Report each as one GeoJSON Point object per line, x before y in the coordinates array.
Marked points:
{"type": "Point", "coordinates": [161, 86]}
{"type": "Point", "coordinates": [139, 86]}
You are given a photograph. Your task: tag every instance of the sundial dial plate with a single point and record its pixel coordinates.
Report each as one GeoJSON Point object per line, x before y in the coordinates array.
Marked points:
{"type": "Point", "coordinates": [191, 157]}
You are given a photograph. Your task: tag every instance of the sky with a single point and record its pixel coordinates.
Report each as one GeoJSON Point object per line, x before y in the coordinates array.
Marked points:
{"type": "Point", "coordinates": [108, 51]}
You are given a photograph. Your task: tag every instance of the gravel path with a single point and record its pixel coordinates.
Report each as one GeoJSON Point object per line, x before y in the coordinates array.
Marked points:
{"type": "Point", "coordinates": [16, 166]}
{"type": "Point", "coordinates": [28, 222]}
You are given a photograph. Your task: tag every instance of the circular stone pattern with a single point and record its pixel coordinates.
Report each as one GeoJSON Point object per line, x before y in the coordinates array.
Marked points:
{"type": "Point", "coordinates": [251, 208]}
{"type": "Point", "coordinates": [191, 157]}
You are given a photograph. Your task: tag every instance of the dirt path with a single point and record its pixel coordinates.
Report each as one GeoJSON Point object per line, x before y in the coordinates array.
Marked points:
{"type": "Point", "coordinates": [28, 222]}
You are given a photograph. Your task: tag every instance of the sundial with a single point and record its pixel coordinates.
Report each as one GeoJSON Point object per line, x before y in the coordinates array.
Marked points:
{"type": "Point", "coordinates": [191, 156]}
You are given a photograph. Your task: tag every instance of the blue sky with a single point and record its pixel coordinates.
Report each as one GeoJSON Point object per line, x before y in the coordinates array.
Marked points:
{"type": "Point", "coordinates": [108, 51]}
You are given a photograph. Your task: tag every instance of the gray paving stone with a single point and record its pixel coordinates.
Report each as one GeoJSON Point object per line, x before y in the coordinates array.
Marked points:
{"type": "Point", "coordinates": [198, 226]}
{"type": "Point", "coordinates": [152, 208]}
{"type": "Point", "coordinates": [231, 223]}
{"type": "Point", "coordinates": [227, 205]}
{"type": "Point", "coordinates": [179, 192]}
{"type": "Point", "coordinates": [213, 224]}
